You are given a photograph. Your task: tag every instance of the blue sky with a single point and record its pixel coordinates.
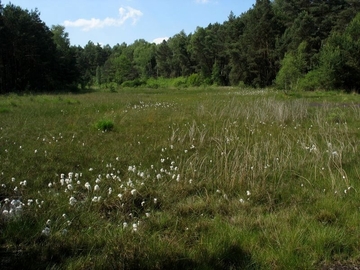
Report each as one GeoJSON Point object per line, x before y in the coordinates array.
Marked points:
{"type": "Point", "coordinates": [117, 21]}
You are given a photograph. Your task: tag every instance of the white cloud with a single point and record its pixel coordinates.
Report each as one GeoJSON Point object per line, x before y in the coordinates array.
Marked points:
{"type": "Point", "coordinates": [202, 1]}
{"type": "Point", "coordinates": [125, 14]}
{"type": "Point", "coordinates": [159, 40]}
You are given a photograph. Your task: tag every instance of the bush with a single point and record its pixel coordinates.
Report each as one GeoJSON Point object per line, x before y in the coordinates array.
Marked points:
{"type": "Point", "coordinates": [194, 80]}
{"type": "Point", "coordinates": [104, 125]}
{"type": "Point", "coordinates": [179, 82]}
{"type": "Point", "coordinates": [133, 83]}
{"type": "Point", "coordinates": [312, 81]}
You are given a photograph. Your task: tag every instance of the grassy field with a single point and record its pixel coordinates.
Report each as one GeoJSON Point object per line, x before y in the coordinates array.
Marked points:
{"type": "Point", "coordinates": [204, 178]}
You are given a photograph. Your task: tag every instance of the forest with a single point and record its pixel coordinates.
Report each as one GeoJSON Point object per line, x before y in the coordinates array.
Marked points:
{"type": "Point", "coordinates": [288, 44]}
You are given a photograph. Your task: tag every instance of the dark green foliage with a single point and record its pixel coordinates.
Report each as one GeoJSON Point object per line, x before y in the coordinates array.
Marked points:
{"type": "Point", "coordinates": [163, 60]}
{"type": "Point", "coordinates": [105, 125]}
{"type": "Point", "coordinates": [67, 72]}
{"type": "Point", "coordinates": [296, 44]}
{"type": "Point", "coordinates": [194, 80]}
{"type": "Point", "coordinates": [258, 44]}
{"type": "Point", "coordinates": [180, 61]}
{"type": "Point", "coordinates": [292, 69]}
{"type": "Point", "coordinates": [339, 58]}
{"type": "Point", "coordinates": [32, 56]}
{"type": "Point", "coordinates": [144, 58]}
{"type": "Point", "coordinates": [28, 53]}
{"type": "Point", "coordinates": [133, 83]}
{"type": "Point", "coordinates": [339, 63]}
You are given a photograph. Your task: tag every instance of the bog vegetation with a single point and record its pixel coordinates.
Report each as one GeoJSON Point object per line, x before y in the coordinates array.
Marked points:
{"type": "Point", "coordinates": [196, 178]}
{"type": "Point", "coordinates": [293, 45]}
{"type": "Point", "coordinates": [176, 155]}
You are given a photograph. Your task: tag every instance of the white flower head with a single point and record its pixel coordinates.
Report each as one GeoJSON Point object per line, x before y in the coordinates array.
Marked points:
{"type": "Point", "coordinates": [46, 231]}
{"type": "Point", "coordinates": [23, 183]}
{"type": "Point", "coordinates": [72, 201]}
{"type": "Point", "coordinates": [96, 199]}
{"type": "Point", "coordinates": [87, 186]}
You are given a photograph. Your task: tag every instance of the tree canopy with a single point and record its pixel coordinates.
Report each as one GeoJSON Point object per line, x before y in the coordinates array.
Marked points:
{"type": "Point", "coordinates": [290, 44]}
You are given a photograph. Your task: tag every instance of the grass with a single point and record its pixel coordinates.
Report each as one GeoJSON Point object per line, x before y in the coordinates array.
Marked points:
{"type": "Point", "coordinates": [195, 178]}
{"type": "Point", "coordinates": [104, 125]}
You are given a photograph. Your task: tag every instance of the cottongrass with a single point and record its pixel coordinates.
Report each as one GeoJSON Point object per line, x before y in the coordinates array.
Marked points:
{"type": "Point", "coordinates": [262, 182]}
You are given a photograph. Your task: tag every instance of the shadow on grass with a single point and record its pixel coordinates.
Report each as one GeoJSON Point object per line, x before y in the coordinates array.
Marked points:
{"type": "Point", "coordinates": [231, 258]}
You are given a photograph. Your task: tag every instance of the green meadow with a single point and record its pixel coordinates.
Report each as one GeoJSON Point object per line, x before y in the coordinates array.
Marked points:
{"type": "Point", "coordinates": [192, 178]}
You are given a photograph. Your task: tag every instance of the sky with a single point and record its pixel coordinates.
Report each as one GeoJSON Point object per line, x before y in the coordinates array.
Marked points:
{"type": "Point", "coordinates": [116, 21]}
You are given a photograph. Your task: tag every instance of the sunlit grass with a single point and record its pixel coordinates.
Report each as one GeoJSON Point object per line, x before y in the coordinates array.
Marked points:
{"type": "Point", "coordinates": [192, 178]}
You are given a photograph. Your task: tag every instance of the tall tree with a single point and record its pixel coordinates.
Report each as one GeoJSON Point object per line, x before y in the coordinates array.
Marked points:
{"type": "Point", "coordinates": [29, 51]}
{"type": "Point", "coordinates": [258, 44]}
{"type": "Point", "coordinates": [144, 58]}
{"type": "Point", "coordinates": [3, 46]}
{"type": "Point", "coordinates": [339, 58]}
{"type": "Point", "coordinates": [234, 29]}
{"type": "Point", "coordinates": [181, 64]}
{"type": "Point", "coordinates": [67, 71]}
{"type": "Point", "coordinates": [163, 60]}
{"type": "Point", "coordinates": [201, 51]}
{"type": "Point", "coordinates": [88, 59]}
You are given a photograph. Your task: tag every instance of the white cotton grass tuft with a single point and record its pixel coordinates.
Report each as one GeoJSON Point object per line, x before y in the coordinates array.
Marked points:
{"type": "Point", "coordinates": [72, 201]}
{"type": "Point", "coordinates": [87, 186]}
{"type": "Point", "coordinates": [46, 231]}
{"type": "Point", "coordinates": [96, 199]}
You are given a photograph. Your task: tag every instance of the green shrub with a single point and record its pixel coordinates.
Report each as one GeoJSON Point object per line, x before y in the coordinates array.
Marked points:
{"type": "Point", "coordinates": [4, 110]}
{"type": "Point", "coordinates": [104, 125]}
{"type": "Point", "coordinates": [194, 80]}
{"type": "Point", "coordinates": [312, 81]}
{"type": "Point", "coordinates": [179, 82]}
{"type": "Point", "coordinates": [133, 83]}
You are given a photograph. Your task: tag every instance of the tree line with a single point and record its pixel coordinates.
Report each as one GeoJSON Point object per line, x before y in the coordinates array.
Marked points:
{"type": "Point", "coordinates": [290, 44]}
